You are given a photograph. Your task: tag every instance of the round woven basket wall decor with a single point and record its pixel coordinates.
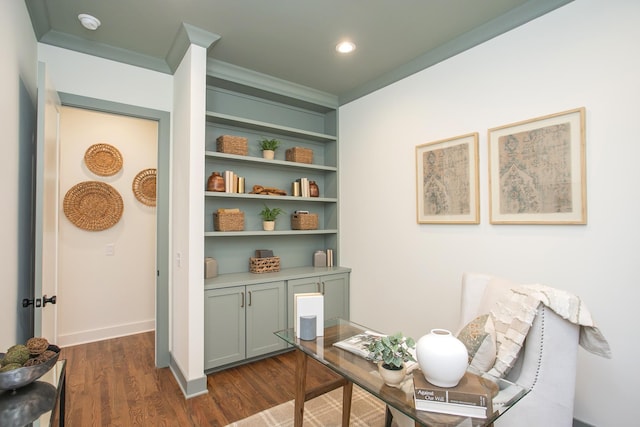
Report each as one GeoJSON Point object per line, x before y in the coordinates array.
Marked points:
{"type": "Point", "coordinates": [93, 205]}
{"type": "Point", "coordinates": [144, 187]}
{"type": "Point", "coordinates": [103, 159]}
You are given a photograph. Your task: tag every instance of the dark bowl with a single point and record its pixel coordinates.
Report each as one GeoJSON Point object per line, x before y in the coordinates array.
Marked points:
{"type": "Point", "coordinates": [20, 377]}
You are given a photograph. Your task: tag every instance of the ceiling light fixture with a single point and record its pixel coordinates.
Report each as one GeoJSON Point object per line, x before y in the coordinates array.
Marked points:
{"type": "Point", "coordinates": [89, 22]}
{"type": "Point", "coordinates": [345, 47]}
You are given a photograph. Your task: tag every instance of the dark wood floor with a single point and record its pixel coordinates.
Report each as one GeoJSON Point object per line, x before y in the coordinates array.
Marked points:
{"type": "Point", "coordinates": [115, 383]}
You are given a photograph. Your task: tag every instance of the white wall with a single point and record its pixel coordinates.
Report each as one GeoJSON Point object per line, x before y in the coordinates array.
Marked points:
{"type": "Point", "coordinates": [406, 276]}
{"type": "Point", "coordinates": [187, 296]}
{"type": "Point", "coordinates": [18, 67]}
{"type": "Point", "coordinates": [105, 293]}
{"type": "Point", "coordinates": [90, 76]}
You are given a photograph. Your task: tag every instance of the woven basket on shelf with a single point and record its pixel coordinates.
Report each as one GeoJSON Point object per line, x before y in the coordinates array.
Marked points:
{"type": "Point", "coordinates": [264, 265]}
{"type": "Point", "coordinates": [304, 221]}
{"type": "Point", "coordinates": [228, 221]}
{"type": "Point", "coordinates": [299, 154]}
{"type": "Point", "coordinates": [231, 144]}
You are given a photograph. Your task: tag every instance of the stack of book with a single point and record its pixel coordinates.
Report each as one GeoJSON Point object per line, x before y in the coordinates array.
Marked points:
{"type": "Point", "coordinates": [233, 183]}
{"type": "Point", "coordinates": [472, 397]}
{"type": "Point", "coordinates": [303, 184]}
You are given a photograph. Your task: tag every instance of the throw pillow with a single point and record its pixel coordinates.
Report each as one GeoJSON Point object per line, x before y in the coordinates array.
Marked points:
{"type": "Point", "coordinates": [480, 339]}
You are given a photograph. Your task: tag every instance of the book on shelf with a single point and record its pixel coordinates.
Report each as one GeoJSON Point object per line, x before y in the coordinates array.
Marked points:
{"type": "Point", "coordinates": [308, 304]}
{"type": "Point", "coordinates": [472, 396]}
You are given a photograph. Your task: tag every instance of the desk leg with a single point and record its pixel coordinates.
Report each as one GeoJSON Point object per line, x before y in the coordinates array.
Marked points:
{"type": "Point", "coordinates": [301, 379]}
{"type": "Point", "coordinates": [346, 403]}
{"type": "Point", "coordinates": [63, 399]}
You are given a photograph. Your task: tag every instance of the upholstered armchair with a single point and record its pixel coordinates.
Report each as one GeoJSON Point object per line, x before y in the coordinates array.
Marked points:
{"type": "Point", "coordinates": [546, 364]}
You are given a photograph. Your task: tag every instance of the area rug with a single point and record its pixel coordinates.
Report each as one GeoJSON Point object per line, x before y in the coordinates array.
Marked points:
{"type": "Point", "coordinates": [323, 411]}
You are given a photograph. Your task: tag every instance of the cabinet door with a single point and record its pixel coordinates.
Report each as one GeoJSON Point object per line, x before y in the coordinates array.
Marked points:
{"type": "Point", "coordinates": [299, 286]}
{"type": "Point", "coordinates": [224, 326]}
{"type": "Point", "coordinates": [265, 314]}
{"type": "Point", "coordinates": [335, 288]}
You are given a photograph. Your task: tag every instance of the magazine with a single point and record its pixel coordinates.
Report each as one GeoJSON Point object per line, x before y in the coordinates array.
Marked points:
{"type": "Point", "coordinates": [357, 344]}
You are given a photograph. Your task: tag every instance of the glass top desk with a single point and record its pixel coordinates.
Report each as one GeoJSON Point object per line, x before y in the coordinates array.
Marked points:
{"type": "Point", "coordinates": [39, 404]}
{"type": "Point", "coordinates": [354, 369]}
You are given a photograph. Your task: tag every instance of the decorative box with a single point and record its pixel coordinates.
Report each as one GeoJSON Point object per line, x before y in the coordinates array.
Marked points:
{"type": "Point", "coordinates": [304, 221]}
{"type": "Point", "coordinates": [231, 144]}
{"type": "Point", "coordinates": [299, 154]}
{"type": "Point", "coordinates": [228, 221]}
{"type": "Point", "coordinates": [264, 265]}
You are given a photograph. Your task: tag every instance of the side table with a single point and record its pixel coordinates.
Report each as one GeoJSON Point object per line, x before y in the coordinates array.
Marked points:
{"type": "Point", "coordinates": [41, 403]}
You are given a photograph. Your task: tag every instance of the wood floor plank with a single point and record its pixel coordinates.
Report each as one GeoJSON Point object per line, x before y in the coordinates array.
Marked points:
{"type": "Point", "coordinates": [115, 383]}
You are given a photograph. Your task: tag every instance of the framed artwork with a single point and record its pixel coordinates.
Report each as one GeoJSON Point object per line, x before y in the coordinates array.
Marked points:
{"type": "Point", "coordinates": [447, 181]}
{"type": "Point", "coordinates": [537, 170]}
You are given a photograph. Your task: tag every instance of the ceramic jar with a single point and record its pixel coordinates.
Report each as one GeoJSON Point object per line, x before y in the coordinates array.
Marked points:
{"type": "Point", "coordinates": [314, 191]}
{"type": "Point", "coordinates": [442, 358]}
{"type": "Point", "coordinates": [215, 182]}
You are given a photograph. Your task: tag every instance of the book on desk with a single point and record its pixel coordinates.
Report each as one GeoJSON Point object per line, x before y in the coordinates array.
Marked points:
{"type": "Point", "coordinates": [472, 397]}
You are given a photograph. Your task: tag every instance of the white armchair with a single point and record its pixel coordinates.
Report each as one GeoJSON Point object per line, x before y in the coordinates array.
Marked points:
{"type": "Point", "coordinates": [546, 365]}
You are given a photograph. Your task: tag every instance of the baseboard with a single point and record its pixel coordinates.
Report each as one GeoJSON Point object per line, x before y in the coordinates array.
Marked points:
{"type": "Point", "coordinates": [191, 388]}
{"type": "Point", "coordinates": [83, 337]}
{"type": "Point", "coordinates": [578, 423]}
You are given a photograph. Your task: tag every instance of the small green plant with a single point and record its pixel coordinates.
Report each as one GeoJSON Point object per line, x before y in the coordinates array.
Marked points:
{"type": "Point", "coordinates": [268, 214]}
{"type": "Point", "coordinates": [269, 144]}
{"type": "Point", "coordinates": [391, 350]}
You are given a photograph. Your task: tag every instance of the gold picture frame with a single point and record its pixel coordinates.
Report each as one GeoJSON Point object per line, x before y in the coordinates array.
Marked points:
{"type": "Point", "coordinates": [447, 181]}
{"type": "Point", "coordinates": [537, 170]}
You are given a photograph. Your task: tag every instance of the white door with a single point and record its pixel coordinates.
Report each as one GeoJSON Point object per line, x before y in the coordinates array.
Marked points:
{"type": "Point", "coordinates": [46, 209]}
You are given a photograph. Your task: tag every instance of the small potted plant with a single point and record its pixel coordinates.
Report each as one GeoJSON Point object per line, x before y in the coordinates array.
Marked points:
{"type": "Point", "coordinates": [268, 147]}
{"type": "Point", "coordinates": [269, 217]}
{"type": "Point", "coordinates": [391, 352]}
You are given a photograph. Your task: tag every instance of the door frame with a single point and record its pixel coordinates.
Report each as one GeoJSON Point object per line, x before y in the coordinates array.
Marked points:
{"type": "Point", "coordinates": [162, 354]}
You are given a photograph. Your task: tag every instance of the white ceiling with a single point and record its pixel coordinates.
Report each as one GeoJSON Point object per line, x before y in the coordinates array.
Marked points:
{"type": "Point", "coordinates": [290, 39]}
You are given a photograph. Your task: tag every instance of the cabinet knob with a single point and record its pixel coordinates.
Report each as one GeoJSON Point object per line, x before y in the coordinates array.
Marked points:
{"type": "Point", "coordinates": [249, 303]}
{"type": "Point", "coordinates": [242, 299]}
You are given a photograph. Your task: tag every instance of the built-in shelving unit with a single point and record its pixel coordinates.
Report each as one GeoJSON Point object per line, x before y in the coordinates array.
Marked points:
{"type": "Point", "coordinates": [253, 112]}
{"type": "Point", "coordinates": [243, 309]}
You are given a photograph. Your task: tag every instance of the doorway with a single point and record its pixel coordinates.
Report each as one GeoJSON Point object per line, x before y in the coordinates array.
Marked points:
{"type": "Point", "coordinates": [104, 301]}
{"type": "Point", "coordinates": [106, 276]}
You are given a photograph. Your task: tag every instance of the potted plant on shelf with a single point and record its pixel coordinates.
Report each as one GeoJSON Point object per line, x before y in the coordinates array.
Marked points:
{"type": "Point", "coordinates": [268, 147]}
{"type": "Point", "coordinates": [391, 352]}
{"type": "Point", "coordinates": [269, 217]}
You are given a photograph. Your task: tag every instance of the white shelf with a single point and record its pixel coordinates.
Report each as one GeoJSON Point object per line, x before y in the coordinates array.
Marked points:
{"type": "Point", "coordinates": [271, 163]}
{"type": "Point", "coordinates": [225, 119]}
{"type": "Point", "coordinates": [257, 233]}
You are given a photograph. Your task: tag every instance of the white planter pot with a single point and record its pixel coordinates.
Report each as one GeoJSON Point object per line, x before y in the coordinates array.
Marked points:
{"type": "Point", "coordinates": [268, 154]}
{"type": "Point", "coordinates": [268, 225]}
{"type": "Point", "coordinates": [392, 377]}
{"type": "Point", "coordinates": [442, 358]}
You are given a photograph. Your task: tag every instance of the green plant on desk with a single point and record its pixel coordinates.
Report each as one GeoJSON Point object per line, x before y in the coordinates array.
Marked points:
{"type": "Point", "coordinates": [392, 350]}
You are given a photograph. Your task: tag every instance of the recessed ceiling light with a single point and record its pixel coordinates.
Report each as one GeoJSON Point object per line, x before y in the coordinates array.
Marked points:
{"type": "Point", "coordinates": [345, 47]}
{"type": "Point", "coordinates": [89, 22]}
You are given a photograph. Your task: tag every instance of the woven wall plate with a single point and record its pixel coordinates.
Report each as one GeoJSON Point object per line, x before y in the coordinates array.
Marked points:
{"type": "Point", "coordinates": [144, 187]}
{"type": "Point", "coordinates": [93, 205]}
{"type": "Point", "coordinates": [103, 159]}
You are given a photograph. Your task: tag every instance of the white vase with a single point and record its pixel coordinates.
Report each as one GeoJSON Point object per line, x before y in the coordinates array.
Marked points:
{"type": "Point", "coordinates": [392, 377]}
{"type": "Point", "coordinates": [268, 154]}
{"type": "Point", "coordinates": [268, 225]}
{"type": "Point", "coordinates": [442, 358]}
